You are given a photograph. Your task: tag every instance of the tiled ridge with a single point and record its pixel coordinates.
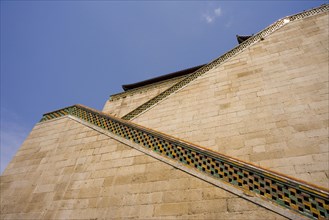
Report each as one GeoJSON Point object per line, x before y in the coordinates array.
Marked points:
{"type": "Point", "coordinates": [294, 195]}
{"type": "Point", "coordinates": [145, 88]}
{"type": "Point", "coordinates": [257, 37]}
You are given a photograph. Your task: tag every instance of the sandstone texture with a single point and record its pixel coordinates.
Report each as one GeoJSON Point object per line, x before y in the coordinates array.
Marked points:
{"type": "Point", "coordinates": [65, 170]}
{"type": "Point", "coordinates": [267, 105]}
{"type": "Point", "coordinates": [121, 104]}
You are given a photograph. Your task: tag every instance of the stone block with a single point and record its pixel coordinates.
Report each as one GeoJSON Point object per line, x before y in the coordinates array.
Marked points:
{"type": "Point", "coordinates": [239, 205]}
{"type": "Point", "coordinates": [89, 192]}
{"type": "Point", "coordinates": [207, 206]}
{"type": "Point", "coordinates": [174, 209]}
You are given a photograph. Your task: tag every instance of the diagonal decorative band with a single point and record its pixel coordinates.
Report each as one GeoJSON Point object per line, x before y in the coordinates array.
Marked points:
{"type": "Point", "coordinates": [257, 37]}
{"type": "Point", "coordinates": [299, 197]}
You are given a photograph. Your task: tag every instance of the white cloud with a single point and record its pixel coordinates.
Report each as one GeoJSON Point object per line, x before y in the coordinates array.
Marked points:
{"type": "Point", "coordinates": [208, 18]}
{"type": "Point", "coordinates": [211, 16]}
{"type": "Point", "coordinates": [218, 11]}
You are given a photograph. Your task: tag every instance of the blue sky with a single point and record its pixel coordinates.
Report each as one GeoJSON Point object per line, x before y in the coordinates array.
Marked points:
{"type": "Point", "coordinates": [59, 53]}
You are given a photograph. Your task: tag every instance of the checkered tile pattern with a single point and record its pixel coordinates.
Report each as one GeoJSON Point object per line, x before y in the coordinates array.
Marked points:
{"type": "Point", "coordinates": [259, 36]}
{"type": "Point", "coordinates": [296, 196]}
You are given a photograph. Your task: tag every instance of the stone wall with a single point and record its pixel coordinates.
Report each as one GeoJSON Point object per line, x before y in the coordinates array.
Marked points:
{"type": "Point", "coordinates": [267, 105]}
{"type": "Point", "coordinates": [65, 170]}
{"type": "Point", "coordinates": [122, 103]}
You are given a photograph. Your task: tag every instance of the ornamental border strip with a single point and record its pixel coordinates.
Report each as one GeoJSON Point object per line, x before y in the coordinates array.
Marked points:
{"type": "Point", "coordinates": [252, 40]}
{"type": "Point", "coordinates": [143, 89]}
{"type": "Point", "coordinates": [297, 196]}
{"type": "Point", "coordinates": [193, 172]}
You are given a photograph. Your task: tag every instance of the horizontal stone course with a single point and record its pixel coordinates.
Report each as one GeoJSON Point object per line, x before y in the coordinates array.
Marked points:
{"type": "Point", "coordinates": [141, 187]}
{"type": "Point", "coordinates": [66, 170]}
{"type": "Point", "coordinates": [271, 90]}
{"type": "Point", "coordinates": [121, 104]}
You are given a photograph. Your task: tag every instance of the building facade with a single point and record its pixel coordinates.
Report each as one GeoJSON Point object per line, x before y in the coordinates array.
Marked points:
{"type": "Point", "coordinates": [242, 137]}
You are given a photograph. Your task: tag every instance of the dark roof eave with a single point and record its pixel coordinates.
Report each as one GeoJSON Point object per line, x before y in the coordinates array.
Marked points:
{"type": "Point", "coordinates": [241, 38]}
{"type": "Point", "coordinates": [161, 78]}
